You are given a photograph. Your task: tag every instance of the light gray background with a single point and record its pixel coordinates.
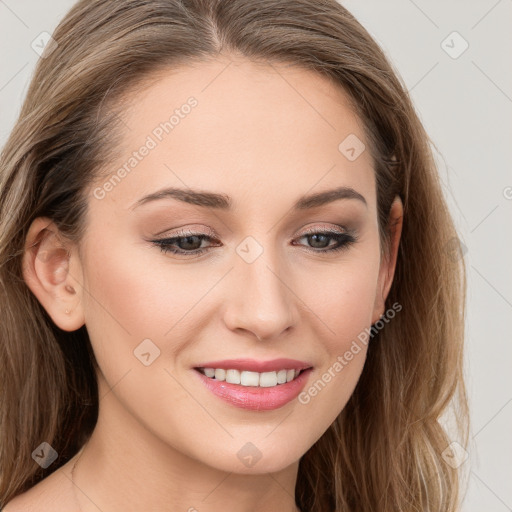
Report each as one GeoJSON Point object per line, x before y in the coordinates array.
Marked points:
{"type": "Point", "coordinates": [465, 104]}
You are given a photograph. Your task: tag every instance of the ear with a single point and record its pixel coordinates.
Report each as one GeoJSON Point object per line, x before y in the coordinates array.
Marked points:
{"type": "Point", "coordinates": [388, 263]}
{"type": "Point", "coordinates": [47, 263]}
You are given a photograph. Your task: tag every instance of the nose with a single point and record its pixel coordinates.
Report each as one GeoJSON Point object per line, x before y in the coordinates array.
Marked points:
{"type": "Point", "coordinates": [260, 301]}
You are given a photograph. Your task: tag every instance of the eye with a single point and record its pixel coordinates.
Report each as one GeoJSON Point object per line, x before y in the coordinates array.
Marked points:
{"type": "Point", "coordinates": [320, 240]}
{"type": "Point", "coordinates": [189, 243]}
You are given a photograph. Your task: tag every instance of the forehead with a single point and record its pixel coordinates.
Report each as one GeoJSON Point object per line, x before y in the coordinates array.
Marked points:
{"type": "Point", "coordinates": [238, 126]}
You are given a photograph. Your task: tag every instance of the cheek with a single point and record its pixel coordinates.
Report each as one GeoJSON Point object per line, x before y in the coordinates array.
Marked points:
{"type": "Point", "coordinates": [138, 297]}
{"type": "Point", "coordinates": [343, 298]}
{"type": "Point", "coordinates": [349, 307]}
{"type": "Point", "coordinates": [129, 310]}
{"type": "Point", "coordinates": [121, 306]}
{"type": "Point", "coordinates": [132, 286]}
{"type": "Point", "coordinates": [344, 306]}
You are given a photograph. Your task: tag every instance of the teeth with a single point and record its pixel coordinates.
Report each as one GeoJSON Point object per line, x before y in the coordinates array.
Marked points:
{"type": "Point", "coordinates": [268, 379]}
{"type": "Point", "coordinates": [209, 372]}
{"type": "Point", "coordinates": [220, 374]}
{"type": "Point", "coordinates": [233, 376]}
{"type": "Point", "coordinates": [281, 376]}
{"type": "Point", "coordinates": [247, 378]}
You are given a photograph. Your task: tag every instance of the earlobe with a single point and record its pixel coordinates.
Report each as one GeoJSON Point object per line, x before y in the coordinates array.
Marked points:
{"type": "Point", "coordinates": [387, 269]}
{"type": "Point", "coordinates": [46, 271]}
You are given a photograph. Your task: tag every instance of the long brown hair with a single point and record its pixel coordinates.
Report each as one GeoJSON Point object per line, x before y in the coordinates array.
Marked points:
{"type": "Point", "coordinates": [384, 450]}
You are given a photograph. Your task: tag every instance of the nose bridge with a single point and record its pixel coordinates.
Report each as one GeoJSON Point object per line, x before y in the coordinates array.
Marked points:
{"type": "Point", "coordinates": [262, 301]}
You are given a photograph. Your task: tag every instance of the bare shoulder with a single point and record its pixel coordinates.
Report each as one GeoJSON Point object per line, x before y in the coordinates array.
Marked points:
{"type": "Point", "coordinates": [52, 494]}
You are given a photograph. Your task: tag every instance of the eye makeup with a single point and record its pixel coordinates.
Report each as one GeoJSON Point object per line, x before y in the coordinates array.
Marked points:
{"type": "Point", "coordinates": [193, 240]}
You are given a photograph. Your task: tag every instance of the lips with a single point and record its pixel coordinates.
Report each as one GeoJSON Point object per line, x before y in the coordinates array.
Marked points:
{"type": "Point", "coordinates": [255, 398]}
{"type": "Point", "coordinates": [254, 365]}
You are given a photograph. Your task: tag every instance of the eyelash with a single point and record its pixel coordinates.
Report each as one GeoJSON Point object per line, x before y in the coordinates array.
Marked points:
{"type": "Point", "coordinates": [344, 240]}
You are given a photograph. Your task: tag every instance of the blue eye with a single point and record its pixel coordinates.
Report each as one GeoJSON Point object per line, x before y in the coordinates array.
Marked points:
{"type": "Point", "coordinates": [189, 243]}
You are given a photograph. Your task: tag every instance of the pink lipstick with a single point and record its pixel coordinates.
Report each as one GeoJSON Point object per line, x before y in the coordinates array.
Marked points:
{"type": "Point", "coordinates": [255, 385]}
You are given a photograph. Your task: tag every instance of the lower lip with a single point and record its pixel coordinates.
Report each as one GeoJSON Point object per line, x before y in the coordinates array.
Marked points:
{"type": "Point", "coordinates": [256, 398]}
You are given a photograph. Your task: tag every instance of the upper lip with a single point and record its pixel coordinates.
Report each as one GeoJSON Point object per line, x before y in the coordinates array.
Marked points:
{"type": "Point", "coordinates": [254, 365]}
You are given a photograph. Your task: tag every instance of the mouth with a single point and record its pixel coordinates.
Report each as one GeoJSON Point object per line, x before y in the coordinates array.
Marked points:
{"type": "Point", "coordinates": [252, 379]}
{"type": "Point", "coordinates": [254, 391]}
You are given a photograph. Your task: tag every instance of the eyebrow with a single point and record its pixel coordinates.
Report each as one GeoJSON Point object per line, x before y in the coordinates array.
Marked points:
{"type": "Point", "coordinates": [224, 202]}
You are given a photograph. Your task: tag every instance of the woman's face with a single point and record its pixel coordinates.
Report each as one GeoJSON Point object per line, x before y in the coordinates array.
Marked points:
{"type": "Point", "coordinates": [258, 140]}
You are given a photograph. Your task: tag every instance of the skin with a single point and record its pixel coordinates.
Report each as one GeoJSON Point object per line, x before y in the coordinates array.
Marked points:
{"type": "Point", "coordinates": [265, 135]}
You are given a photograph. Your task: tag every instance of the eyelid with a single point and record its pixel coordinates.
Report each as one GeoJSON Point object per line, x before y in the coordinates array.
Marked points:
{"type": "Point", "coordinates": [327, 229]}
{"type": "Point", "coordinates": [188, 231]}
{"type": "Point", "coordinates": [207, 231]}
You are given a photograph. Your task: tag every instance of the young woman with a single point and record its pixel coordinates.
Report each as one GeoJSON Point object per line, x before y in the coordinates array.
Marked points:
{"type": "Point", "coordinates": [229, 277]}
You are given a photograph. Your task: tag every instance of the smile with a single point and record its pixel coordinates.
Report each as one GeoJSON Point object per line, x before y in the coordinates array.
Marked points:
{"type": "Point", "coordinates": [251, 379]}
{"type": "Point", "coordinates": [268, 394]}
